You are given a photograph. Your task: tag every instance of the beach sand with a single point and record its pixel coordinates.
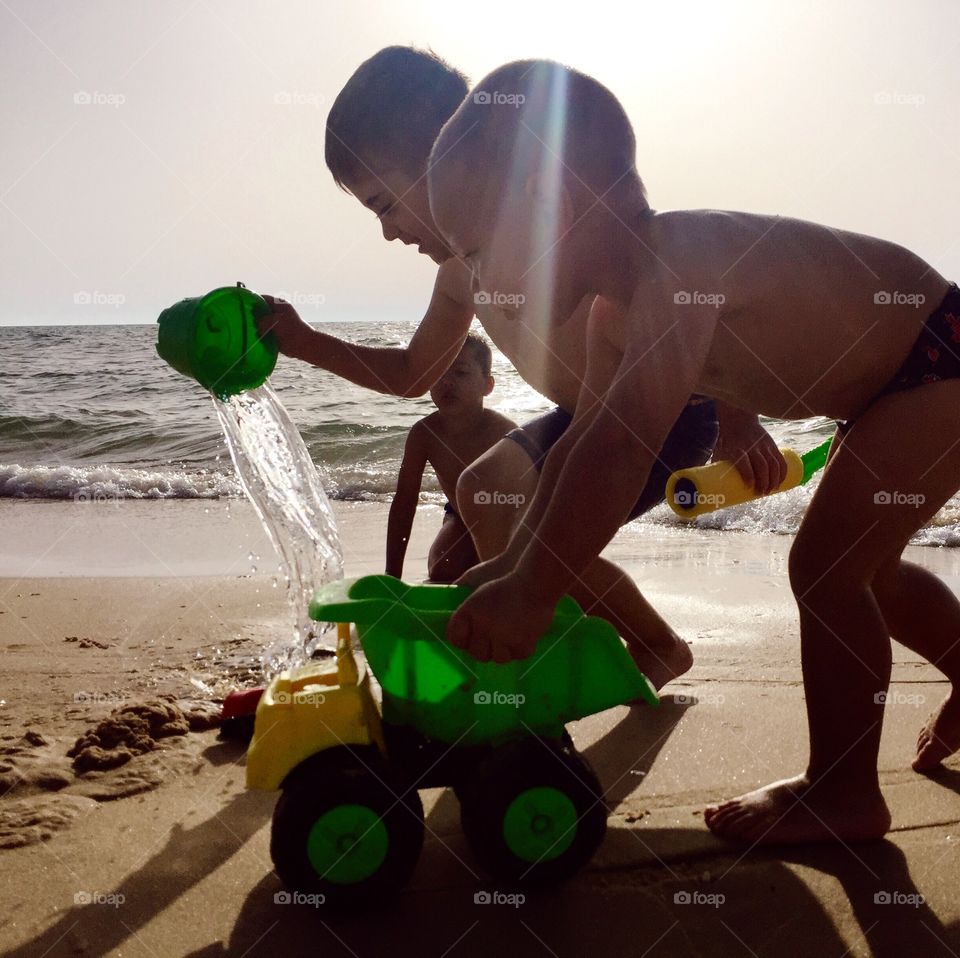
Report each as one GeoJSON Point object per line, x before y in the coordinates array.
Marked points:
{"type": "Point", "coordinates": [108, 605]}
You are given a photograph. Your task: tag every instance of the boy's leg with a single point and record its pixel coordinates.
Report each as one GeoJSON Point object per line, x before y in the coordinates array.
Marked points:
{"type": "Point", "coordinates": [493, 493]}
{"type": "Point", "coordinates": [603, 589]}
{"type": "Point", "coordinates": [894, 469]}
{"type": "Point", "coordinates": [452, 552]}
{"type": "Point", "coordinates": [609, 592]}
{"type": "Point", "coordinates": [923, 614]}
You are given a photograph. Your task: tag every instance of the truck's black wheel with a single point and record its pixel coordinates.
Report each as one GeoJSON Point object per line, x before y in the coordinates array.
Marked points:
{"type": "Point", "coordinates": [533, 811]}
{"type": "Point", "coordinates": [344, 828]}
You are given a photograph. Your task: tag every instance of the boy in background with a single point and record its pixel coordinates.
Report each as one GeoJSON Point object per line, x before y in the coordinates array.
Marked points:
{"type": "Point", "coordinates": [449, 439]}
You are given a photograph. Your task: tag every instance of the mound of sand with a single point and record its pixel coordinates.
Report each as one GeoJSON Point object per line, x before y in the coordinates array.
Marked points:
{"type": "Point", "coordinates": [135, 730]}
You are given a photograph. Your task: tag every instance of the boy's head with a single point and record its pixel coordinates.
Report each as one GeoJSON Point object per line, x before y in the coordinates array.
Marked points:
{"type": "Point", "coordinates": [468, 380]}
{"type": "Point", "coordinates": [534, 157]}
{"type": "Point", "coordinates": [379, 133]}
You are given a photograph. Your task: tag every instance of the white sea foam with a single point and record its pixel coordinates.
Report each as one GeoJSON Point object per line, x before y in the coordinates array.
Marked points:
{"type": "Point", "coordinates": [97, 483]}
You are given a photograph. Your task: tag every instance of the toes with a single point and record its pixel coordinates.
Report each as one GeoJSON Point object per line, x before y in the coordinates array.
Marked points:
{"type": "Point", "coordinates": [722, 807]}
{"type": "Point", "coordinates": [930, 755]}
{"type": "Point", "coordinates": [716, 813]}
{"type": "Point", "coordinates": [743, 824]}
{"type": "Point", "coordinates": [738, 825]}
{"type": "Point", "coordinates": [710, 816]}
{"type": "Point", "coordinates": [719, 817]}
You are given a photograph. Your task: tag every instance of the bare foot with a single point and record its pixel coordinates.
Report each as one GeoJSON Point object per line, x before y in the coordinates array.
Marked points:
{"type": "Point", "coordinates": [940, 737]}
{"type": "Point", "coordinates": [662, 664]}
{"type": "Point", "coordinates": [794, 812]}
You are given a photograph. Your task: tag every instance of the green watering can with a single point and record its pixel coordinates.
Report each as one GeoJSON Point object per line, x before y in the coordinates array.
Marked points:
{"type": "Point", "coordinates": [214, 340]}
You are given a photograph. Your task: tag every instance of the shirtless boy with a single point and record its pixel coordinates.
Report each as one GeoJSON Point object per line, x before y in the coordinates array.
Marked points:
{"type": "Point", "coordinates": [379, 133]}
{"type": "Point", "coordinates": [774, 315]}
{"type": "Point", "coordinates": [449, 439]}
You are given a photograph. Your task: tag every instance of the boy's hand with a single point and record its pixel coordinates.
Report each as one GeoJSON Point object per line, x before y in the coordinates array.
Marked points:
{"type": "Point", "coordinates": [286, 325]}
{"type": "Point", "coordinates": [501, 621]}
{"type": "Point", "coordinates": [745, 443]}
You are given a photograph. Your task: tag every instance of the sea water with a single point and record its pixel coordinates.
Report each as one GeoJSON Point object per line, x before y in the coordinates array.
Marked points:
{"type": "Point", "coordinates": [276, 472]}
{"type": "Point", "coordinates": [87, 413]}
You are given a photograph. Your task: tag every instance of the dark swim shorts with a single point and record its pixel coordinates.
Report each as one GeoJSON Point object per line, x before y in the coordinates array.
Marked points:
{"type": "Point", "coordinates": [689, 443]}
{"type": "Point", "coordinates": [448, 510]}
{"type": "Point", "coordinates": [936, 353]}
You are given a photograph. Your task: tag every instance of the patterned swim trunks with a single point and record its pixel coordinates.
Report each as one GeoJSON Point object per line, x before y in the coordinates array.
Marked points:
{"type": "Point", "coordinates": [936, 353]}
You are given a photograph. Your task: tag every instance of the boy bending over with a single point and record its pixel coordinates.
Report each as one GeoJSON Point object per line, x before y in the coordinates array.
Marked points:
{"type": "Point", "coordinates": [538, 193]}
{"type": "Point", "coordinates": [449, 439]}
{"type": "Point", "coordinates": [379, 133]}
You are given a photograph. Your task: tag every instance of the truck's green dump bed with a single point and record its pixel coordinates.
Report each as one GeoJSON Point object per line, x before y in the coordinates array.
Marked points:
{"type": "Point", "coordinates": [579, 667]}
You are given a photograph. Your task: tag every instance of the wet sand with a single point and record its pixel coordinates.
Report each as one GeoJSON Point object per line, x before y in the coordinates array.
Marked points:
{"type": "Point", "coordinates": [104, 607]}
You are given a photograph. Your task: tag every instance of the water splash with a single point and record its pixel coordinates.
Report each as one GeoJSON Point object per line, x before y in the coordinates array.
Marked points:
{"type": "Point", "coordinates": [280, 479]}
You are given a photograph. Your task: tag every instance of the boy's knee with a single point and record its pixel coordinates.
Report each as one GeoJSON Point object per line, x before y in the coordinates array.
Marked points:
{"type": "Point", "coordinates": [818, 573]}
{"type": "Point", "coordinates": [478, 486]}
{"type": "Point", "coordinates": [470, 488]}
{"type": "Point", "coordinates": [800, 569]}
{"type": "Point", "coordinates": [887, 577]}
{"type": "Point", "coordinates": [452, 553]}
{"type": "Point", "coordinates": [439, 569]}
{"type": "Point", "coordinates": [809, 567]}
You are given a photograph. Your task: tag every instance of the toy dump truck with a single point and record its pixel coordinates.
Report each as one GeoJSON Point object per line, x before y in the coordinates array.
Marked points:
{"type": "Point", "coordinates": [349, 821]}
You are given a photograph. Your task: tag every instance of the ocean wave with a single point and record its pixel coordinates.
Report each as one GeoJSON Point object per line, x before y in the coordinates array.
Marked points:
{"type": "Point", "coordinates": [111, 482]}
{"type": "Point", "coordinates": [99, 483]}
{"type": "Point", "coordinates": [773, 515]}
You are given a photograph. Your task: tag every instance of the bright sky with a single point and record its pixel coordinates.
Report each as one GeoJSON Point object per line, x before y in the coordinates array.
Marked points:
{"type": "Point", "coordinates": [156, 151]}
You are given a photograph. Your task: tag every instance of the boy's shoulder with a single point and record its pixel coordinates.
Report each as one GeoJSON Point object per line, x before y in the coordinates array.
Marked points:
{"type": "Point", "coordinates": [455, 281]}
{"type": "Point", "coordinates": [496, 419]}
{"type": "Point", "coordinates": [429, 430]}
{"type": "Point", "coordinates": [494, 426]}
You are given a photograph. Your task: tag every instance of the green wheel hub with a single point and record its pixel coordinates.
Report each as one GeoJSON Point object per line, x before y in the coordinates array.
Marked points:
{"type": "Point", "coordinates": [347, 844]}
{"type": "Point", "coordinates": [540, 824]}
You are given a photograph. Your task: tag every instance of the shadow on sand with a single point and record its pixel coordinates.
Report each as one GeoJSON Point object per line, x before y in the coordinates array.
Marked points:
{"type": "Point", "coordinates": [748, 905]}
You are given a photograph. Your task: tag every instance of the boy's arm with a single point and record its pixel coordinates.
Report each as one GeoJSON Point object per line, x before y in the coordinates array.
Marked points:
{"type": "Point", "coordinates": [666, 348]}
{"type": "Point", "coordinates": [745, 443]}
{"type": "Point", "coordinates": [603, 360]}
{"type": "Point", "coordinates": [399, 371]}
{"type": "Point", "coordinates": [404, 505]}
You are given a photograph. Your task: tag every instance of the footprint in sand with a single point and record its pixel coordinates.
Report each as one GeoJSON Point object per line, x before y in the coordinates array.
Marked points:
{"type": "Point", "coordinates": [28, 767]}
{"type": "Point", "coordinates": [27, 821]}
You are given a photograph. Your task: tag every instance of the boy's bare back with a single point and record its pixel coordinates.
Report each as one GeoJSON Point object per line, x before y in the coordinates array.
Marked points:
{"type": "Point", "coordinates": [802, 319]}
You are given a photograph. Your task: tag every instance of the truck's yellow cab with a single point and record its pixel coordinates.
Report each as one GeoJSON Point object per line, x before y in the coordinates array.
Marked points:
{"type": "Point", "coordinates": [309, 709]}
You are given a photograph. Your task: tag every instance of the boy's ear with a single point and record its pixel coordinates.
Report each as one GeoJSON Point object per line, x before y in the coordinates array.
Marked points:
{"type": "Point", "coordinates": [489, 388]}
{"type": "Point", "coordinates": [549, 190]}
